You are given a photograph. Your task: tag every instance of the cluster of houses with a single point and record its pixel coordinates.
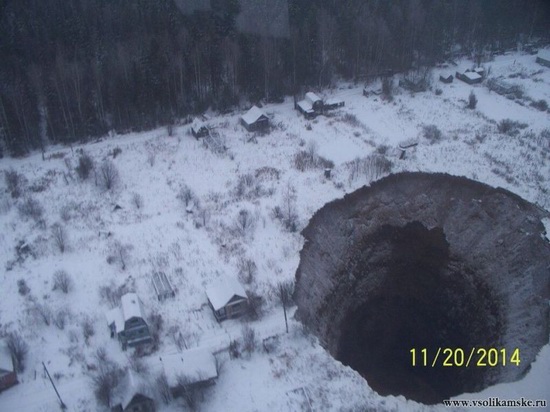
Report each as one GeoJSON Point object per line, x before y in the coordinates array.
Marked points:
{"type": "Point", "coordinates": [256, 120]}
{"type": "Point", "coordinates": [226, 298]}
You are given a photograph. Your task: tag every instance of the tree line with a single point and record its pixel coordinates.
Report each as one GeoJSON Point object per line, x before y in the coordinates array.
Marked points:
{"type": "Point", "coordinates": [75, 69]}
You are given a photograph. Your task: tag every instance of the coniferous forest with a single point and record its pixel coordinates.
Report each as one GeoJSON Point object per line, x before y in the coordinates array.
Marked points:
{"type": "Point", "coordinates": [75, 69]}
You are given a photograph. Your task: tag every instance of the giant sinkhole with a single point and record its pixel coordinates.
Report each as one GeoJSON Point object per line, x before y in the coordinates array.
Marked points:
{"type": "Point", "coordinates": [426, 261]}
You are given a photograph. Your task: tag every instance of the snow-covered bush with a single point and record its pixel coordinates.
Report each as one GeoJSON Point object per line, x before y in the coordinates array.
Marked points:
{"type": "Point", "coordinates": [541, 104]}
{"type": "Point", "coordinates": [60, 318]}
{"type": "Point", "coordinates": [472, 100]}
{"type": "Point", "coordinates": [121, 254]}
{"type": "Point", "coordinates": [244, 223]}
{"type": "Point", "coordinates": [30, 208]}
{"type": "Point", "coordinates": [59, 236]}
{"type": "Point", "coordinates": [18, 349]}
{"type": "Point", "coordinates": [248, 339]}
{"type": "Point", "coordinates": [432, 133]}
{"type": "Point", "coordinates": [111, 294]}
{"type": "Point", "coordinates": [137, 200]}
{"type": "Point", "coordinates": [510, 127]}
{"type": "Point", "coordinates": [308, 159]}
{"type": "Point", "coordinates": [108, 175]}
{"type": "Point", "coordinates": [106, 379]}
{"type": "Point", "coordinates": [248, 187]}
{"type": "Point", "coordinates": [88, 329]}
{"type": "Point", "coordinates": [186, 195]}
{"type": "Point", "coordinates": [247, 270]}
{"type": "Point", "coordinates": [85, 166]}
{"type": "Point", "coordinates": [42, 313]}
{"type": "Point", "coordinates": [163, 388]}
{"type": "Point", "coordinates": [22, 287]}
{"type": "Point", "coordinates": [62, 281]}
{"type": "Point", "coordinates": [14, 182]}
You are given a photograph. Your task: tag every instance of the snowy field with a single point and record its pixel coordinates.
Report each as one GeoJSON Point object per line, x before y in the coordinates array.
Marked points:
{"type": "Point", "coordinates": [199, 243]}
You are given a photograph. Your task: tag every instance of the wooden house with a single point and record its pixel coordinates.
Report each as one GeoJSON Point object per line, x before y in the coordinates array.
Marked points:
{"type": "Point", "coordinates": [133, 394]}
{"type": "Point", "coordinates": [163, 287]}
{"type": "Point", "coordinates": [469, 77]}
{"type": "Point", "coordinates": [128, 323]}
{"type": "Point", "coordinates": [255, 120]}
{"type": "Point", "coordinates": [191, 367]}
{"type": "Point", "coordinates": [199, 128]}
{"type": "Point", "coordinates": [446, 78]}
{"type": "Point", "coordinates": [543, 57]}
{"type": "Point", "coordinates": [311, 106]}
{"type": "Point", "coordinates": [8, 376]}
{"type": "Point", "coordinates": [227, 298]}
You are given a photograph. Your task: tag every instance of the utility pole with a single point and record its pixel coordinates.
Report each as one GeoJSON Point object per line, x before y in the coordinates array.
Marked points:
{"type": "Point", "coordinates": [63, 406]}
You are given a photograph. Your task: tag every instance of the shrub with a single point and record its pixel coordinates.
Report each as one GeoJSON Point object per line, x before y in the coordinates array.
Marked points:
{"type": "Point", "coordinates": [59, 235]}
{"type": "Point", "coordinates": [510, 127]}
{"type": "Point", "coordinates": [248, 339]}
{"type": "Point", "coordinates": [14, 183]}
{"type": "Point", "coordinates": [137, 200]}
{"type": "Point", "coordinates": [186, 195]}
{"type": "Point", "coordinates": [432, 133]}
{"type": "Point", "coordinates": [116, 151]}
{"type": "Point", "coordinates": [542, 105]}
{"type": "Point", "coordinates": [472, 100]}
{"type": "Point", "coordinates": [88, 329]}
{"type": "Point", "coordinates": [163, 388]}
{"type": "Point", "coordinates": [18, 349]}
{"type": "Point", "coordinates": [62, 281]}
{"type": "Point", "coordinates": [248, 187]}
{"type": "Point", "coordinates": [22, 287]}
{"type": "Point", "coordinates": [438, 92]}
{"type": "Point", "coordinates": [106, 381]}
{"type": "Point", "coordinates": [43, 313]}
{"type": "Point", "coordinates": [244, 223]}
{"type": "Point", "coordinates": [108, 175]}
{"type": "Point", "coordinates": [247, 270]}
{"type": "Point", "coordinates": [60, 318]}
{"type": "Point", "coordinates": [85, 166]}
{"type": "Point", "coordinates": [31, 208]}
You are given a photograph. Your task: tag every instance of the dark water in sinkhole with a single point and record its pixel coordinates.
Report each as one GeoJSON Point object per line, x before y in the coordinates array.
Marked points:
{"type": "Point", "coordinates": [428, 299]}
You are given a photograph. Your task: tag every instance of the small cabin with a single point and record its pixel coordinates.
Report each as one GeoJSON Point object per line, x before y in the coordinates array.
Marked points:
{"type": "Point", "coordinates": [311, 106]}
{"type": "Point", "coordinates": [127, 322]}
{"type": "Point", "coordinates": [133, 394]}
{"type": "Point", "coordinates": [543, 57]}
{"type": "Point", "coordinates": [446, 78]}
{"type": "Point", "coordinates": [195, 366]}
{"type": "Point", "coordinates": [255, 120]}
{"type": "Point", "coordinates": [199, 128]}
{"type": "Point", "coordinates": [227, 298]}
{"type": "Point", "coordinates": [163, 287]}
{"type": "Point", "coordinates": [469, 77]}
{"type": "Point", "coordinates": [8, 376]}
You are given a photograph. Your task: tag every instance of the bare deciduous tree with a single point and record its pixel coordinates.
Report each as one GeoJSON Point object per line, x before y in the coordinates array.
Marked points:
{"type": "Point", "coordinates": [186, 195]}
{"type": "Point", "coordinates": [248, 339]}
{"type": "Point", "coordinates": [88, 329]}
{"type": "Point", "coordinates": [59, 235]}
{"type": "Point", "coordinates": [18, 349]}
{"type": "Point", "coordinates": [122, 253]}
{"type": "Point", "coordinates": [284, 293]}
{"type": "Point", "coordinates": [247, 270]}
{"type": "Point", "coordinates": [62, 281]}
{"type": "Point", "coordinates": [244, 223]}
{"type": "Point", "coordinates": [137, 200]}
{"type": "Point", "coordinates": [108, 175]}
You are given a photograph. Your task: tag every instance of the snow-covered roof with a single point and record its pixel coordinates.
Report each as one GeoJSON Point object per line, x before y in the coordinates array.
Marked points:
{"type": "Point", "coordinates": [253, 115]}
{"type": "Point", "coordinates": [222, 291]}
{"type": "Point", "coordinates": [306, 106]}
{"type": "Point", "coordinates": [334, 101]}
{"type": "Point", "coordinates": [197, 123]}
{"type": "Point", "coordinates": [472, 75]}
{"type": "Point", "coordinates": [131, 385]}
{"type": "Point", "coordinates": [544, 54]}
{"type": "Point", "coordinates": [313, 98]}
{"type": "Point", "coordinates": [114, 316]}
{"type": "Point", "coordinates": [131, 306]}
{"type": "Point", "coordinates": [6, 363]}
{"type": "Point", "coordinates": [196, 365]}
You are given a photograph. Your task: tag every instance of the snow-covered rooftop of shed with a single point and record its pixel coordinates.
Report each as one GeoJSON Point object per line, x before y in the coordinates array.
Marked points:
{"type": "Point", "coordinates": [312, 97]}
{"type": "Point", "coordinates": [131, 385]}
{"type": "Point", "coordinates": [472, 75]}
{"type": "Point", "coordinates": [253, 115]}
{"type": "Point", "coordinates": [305, 105]}
{"type": "Point", "coordinates": [544, 54]}
{"type": "Point", "coordinates": [197, 123]}
{"type": "Point", "coordinates": [196, 365]}
{"type": "Point", "coordinates": [131, 306]}
{"type": "Point", "coordinates": [221, 292]}
{"type": "Point", "coordinates": [6, 363]}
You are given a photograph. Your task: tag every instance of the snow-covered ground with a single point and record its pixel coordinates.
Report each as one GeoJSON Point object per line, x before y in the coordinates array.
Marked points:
{"type": "Point", "coordinates": [194, 249]}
